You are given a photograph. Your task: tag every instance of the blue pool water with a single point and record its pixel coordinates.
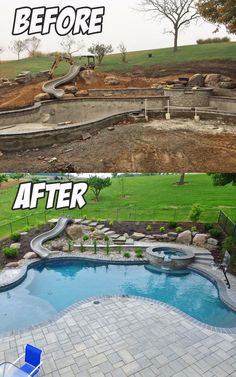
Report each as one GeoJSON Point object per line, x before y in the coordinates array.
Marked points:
{"type": "Point", "coordinates": [52, 287]}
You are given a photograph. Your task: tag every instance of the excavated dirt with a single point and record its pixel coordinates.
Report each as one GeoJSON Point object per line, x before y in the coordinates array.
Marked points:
{"type": "Point", "coordinates": [160, 145]}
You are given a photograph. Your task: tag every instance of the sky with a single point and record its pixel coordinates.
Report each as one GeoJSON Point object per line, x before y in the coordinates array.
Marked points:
{"type": "Point", "coordinates": [122, 23]}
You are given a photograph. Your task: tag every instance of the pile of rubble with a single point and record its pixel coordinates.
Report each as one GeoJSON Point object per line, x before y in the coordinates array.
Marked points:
{"type": "Point", "coordinates": [6, 83]}
{"type": "Point", "coordinates": [24, 77]}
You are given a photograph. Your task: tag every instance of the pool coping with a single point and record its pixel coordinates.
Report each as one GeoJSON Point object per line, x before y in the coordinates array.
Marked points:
{"type": "Point", "coordinates": [221, 287]}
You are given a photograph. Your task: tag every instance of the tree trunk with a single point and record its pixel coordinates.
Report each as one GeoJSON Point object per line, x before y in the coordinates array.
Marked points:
{"type": "Point", "coordinates": [176, 39]}
{"type": "Point", "coordinates": [182, 180]}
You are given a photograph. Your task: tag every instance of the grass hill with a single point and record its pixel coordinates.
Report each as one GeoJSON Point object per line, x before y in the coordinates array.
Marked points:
{"type": "Point", "coordinates": [212, 51]}
{"type": "Point", "coordinates": [145, 198]}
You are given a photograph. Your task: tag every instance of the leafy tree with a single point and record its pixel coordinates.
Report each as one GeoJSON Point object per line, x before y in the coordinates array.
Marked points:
{"type": "Point", "coordinates": [219, 12]}
{"type": "Point", "coordinates": [70, 45]}
{"type": "Point", "coordinates": [97, 184]}
{"type": "Point", "coordinates": [17, 47]}
{"type": "Point", "coordinates": [179, 13]}
{"type": "Point", "coordinates": [100, 51]}
{"type": "Point", "coordinates": [195, 213]}
{"type": "Point", "coordinates": [3, 178]}
{"type": "Point", "coordinates": [123, 52]}
{"type": "Point", "coordinates": [223, 179]}
{"type": "Point", "coordinates": [32, 46]}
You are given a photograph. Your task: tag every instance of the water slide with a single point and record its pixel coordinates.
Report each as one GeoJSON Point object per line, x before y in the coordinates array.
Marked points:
{"type": "Point", "coordinates": [50, 86]}
{"type": "Point", "coordinates": [37, 243]}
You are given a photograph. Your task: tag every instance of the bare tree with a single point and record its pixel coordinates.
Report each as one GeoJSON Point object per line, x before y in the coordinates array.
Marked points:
{"type": "Point", "coordinates": [179, 12]}
{"type": "Point", "coordinates": [17, 47]}
{"type": "Point", "coordinates": [32, 45]}
{"type": "Point", "coordinates": [70, 45]}
{"type": "Point", "coordinates": [123, 52]}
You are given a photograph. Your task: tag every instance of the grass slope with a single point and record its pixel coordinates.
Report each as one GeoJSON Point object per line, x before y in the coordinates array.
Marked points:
{"type": "Point", "coordinates": [146, 198]}
{"type": "Point", "coordinates": [135, 59]}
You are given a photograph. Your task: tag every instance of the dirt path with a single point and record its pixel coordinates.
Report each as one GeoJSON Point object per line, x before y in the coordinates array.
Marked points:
{"type": "Point", "coordinates": [158, 146]}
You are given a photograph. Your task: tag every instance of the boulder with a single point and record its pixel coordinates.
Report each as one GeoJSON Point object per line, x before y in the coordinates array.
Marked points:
{"type": "Point", "coordinates": [70, 89]}
{"type": "Point", "coordinates": [57, 245]}
{"type": "Point", "coordinates": [173, 234]}
{"type": "Point", "coordinates": [97, 235]}
{"type": "Point", "coordinates": [30, 255]}
{"type": "Point", "coordinates": [224, 92]}
{"type": "Point", "coordinates": [111, 80]}
{"type": "Point", "coordinates": [212, 80]}
{"type": "Point", "coordinates": [185, 237]}
{"type": "Point", "coordinates": [138, 236]}
{"type": "Point", "coordinates": [74, 232]}
{"type": "Point", "coordinates": [200, 240]}
{"type": "Point", "coordinates": [224, 78]}
{"type": "Point", "coordinates": [15, 245]}
{"type": "Point", "coordinates": [42, 97]}
{"type": "Point", "coordinates": [213, 242]}
{"type": "Point", "coordinates": [12, 265]}
{"type": "Point", "coordinates": [196, 80]}
{"type": "Point", "coordinates": [87, 76]}
{"type": "Point", "coordinates": [82, 93]}
{"type": "Point", "coordinates": [227, 85]}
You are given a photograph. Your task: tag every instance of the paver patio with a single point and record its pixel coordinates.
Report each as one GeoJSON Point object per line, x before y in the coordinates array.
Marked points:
{"type": "Point", "coordinates": [126, 337]}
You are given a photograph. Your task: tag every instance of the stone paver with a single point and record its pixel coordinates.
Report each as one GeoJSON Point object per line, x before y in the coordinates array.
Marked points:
{"type": "Point", "coordinates": [126, 337]}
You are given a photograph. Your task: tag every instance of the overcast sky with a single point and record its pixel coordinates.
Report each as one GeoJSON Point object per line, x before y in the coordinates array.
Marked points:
{"type": "Point", "coordinates": [121, 23]}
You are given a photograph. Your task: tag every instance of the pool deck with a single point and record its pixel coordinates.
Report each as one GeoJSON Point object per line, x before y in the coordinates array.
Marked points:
{"type": "Point", "coordinates": [124, 336]}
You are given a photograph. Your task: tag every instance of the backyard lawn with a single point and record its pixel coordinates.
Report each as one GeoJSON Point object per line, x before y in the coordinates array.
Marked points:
{"type": "Point", "coordinates": [137, 198]}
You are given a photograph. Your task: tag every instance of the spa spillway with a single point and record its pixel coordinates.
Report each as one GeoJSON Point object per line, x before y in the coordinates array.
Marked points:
{"type": "Point", "coordinates": [170, 257]}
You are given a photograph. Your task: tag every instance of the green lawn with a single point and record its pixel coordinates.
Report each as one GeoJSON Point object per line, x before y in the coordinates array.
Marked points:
{"type": "Point", "coordinates": [135, 59]}
{"type": "Point", "coordinates": [147, 198]}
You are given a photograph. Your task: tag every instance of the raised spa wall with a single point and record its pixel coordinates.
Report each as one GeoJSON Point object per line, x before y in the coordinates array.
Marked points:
{"type": "Point", "coordinates": [176, 262]}
{"type": "Point", "coordinates": [189, 97]}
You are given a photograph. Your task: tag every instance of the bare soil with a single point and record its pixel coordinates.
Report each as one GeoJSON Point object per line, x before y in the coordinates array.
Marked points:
{"type": "Point", "coordinates": [157, 146]}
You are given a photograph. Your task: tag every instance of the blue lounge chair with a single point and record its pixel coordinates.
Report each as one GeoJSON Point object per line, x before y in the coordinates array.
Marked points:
{"type": "Point", "coordinates": [32, 363]}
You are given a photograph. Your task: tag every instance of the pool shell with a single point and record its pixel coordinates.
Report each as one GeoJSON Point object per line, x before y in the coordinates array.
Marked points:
{"type": "Point", "coordinates": [220, 286]}
{"type": "Point", "coordinates": [156, 256]}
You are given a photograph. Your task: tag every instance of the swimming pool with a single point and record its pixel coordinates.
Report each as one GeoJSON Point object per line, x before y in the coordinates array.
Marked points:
{"type": "Point", "coordinates": [52, 286]}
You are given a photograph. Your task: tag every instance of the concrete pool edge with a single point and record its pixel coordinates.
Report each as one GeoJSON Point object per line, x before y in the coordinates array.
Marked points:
{"type": "Point", "coordinates": [222, 290]}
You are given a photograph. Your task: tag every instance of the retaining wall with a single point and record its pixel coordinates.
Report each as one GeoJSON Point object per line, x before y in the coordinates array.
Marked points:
{"type": "Point", "coordinates": [224, 103]}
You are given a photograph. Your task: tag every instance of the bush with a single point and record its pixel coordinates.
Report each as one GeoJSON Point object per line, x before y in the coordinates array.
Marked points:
{"type": "Point", "coordinates": [107, 247]}
{"type": "Point", "coordinates": [95, 247]}
{"type": "Point", "coordinates": [149, 228]}
{"type": "Point", "coordinates": [120, 250]}
{"type": "Point", "coordinates": [162, 229]}
{"type": "Point", "coordinates": [70, 245]}
{"type": "Point", "coordinates": [212, 40]}
{"type": "Point", "coordinates": [179, 229]}
{"type": "Point", "coordinates": [215, 233]}
{"type": "Point", "coordinates": [10, 252]}
{"type": "Point", "coordinates": [194, 229]}
{"type": "Point", "coordinates": [85, 217]}
{"type": "Point", "coordinates": [172, 224]}
{"type": "Point", "coordinates": [82, 248]}
{"type": "Point", "coordinates": [139, 253]}
{"type": "Point", "coordinates": [229, 244]}
{"type": "Point", "coordinates": [111, 222]}
{"type": "Point", "coordinates": [106, 238]}
{"type": "Point", "coordinates": [195, 213]}
{"type": "Point", "coordinates": [85, 237]}
{"type": "Point", "coordinates": [208, 226]}
{"type": "Point", "coordinates": [126, 254]}
{"type": "Point", "coordinates": [15, 237]}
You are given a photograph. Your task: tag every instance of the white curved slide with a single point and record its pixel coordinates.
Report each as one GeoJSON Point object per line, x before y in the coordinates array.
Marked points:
{"type": "Point", "coordinates": [50, 87]}
{"type": "Point", "coordinates": [37, 243]}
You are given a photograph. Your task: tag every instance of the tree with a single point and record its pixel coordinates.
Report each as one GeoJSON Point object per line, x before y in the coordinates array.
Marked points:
{"type": "Point", "coordinates": [100, 51]}
{"type": "Point", "coordinates": [17, 47]}
{"type": "Point", "coordinates": [3, 178]}
{"type": "Point", "coordinates": [97, 184]}
{"type": "Point", "coordinates": [32, 45]}
{"type": "Point", "coordinates": [182, 180]}
{"type": "Point", "coordinates": [195, 213]}
{"type": "Point", "coordinates": [219, 12]}
{"type": "Point", "coordinates": [180, 13]}
{"type": "Point", "coordinates": [123, 52]}
{"type": "Point", "coordinates": [223, 179]}
{"type": "Point", "coordinates": [70, 45]}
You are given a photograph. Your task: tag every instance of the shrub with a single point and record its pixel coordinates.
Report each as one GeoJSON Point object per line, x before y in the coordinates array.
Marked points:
{"type": "Point", "coordinates": [172, 224]}
{"type": "Point", "coordinates": [139, 253]}
{"type": "Point", "coordinates": [195, 213]}
{"type": "Point", "coordinates": [149, 228]}
{"type": "Point", "coordinates": [15, 237]}
{"type": "Point", "coordinates": [82, 248]}
{"type": "Point", "coordinates": [179, 229]}
{"type": "Point", "coordinates": [212, 40]}
{"type": "Point", "coordinates": [111, 222]}
{"type": "Point", "coordinates": [162, 229]}
{"type": "Point", "coordinates": [215, 232]}
{"type": "Point", "coordinates": [194, 229]}
{"type": "Point", "coordinates": [10, 252]}
{"type": "Point", "coordinates": [95, 246]}
{"type": "Point", "coordinates": [85, 237]}
{"type": "Point", "coordinates": [208, 226]}
{"type": "Point", "coordinates": [126, 254]}
{"type": "Point", "coordinates": [120, 250]}
{"type": "Point", "coordinates": [85, 217]}
{"type": "Point", "coordinates": [70, 245]}
{"type": "Point", "coordinates": [106, 238]}
{"type": "Point", "coordinates": [229, 244]}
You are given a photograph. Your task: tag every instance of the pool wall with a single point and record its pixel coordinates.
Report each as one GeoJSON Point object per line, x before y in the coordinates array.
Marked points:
{"type": "Point", "coordinates": [175, 262]}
